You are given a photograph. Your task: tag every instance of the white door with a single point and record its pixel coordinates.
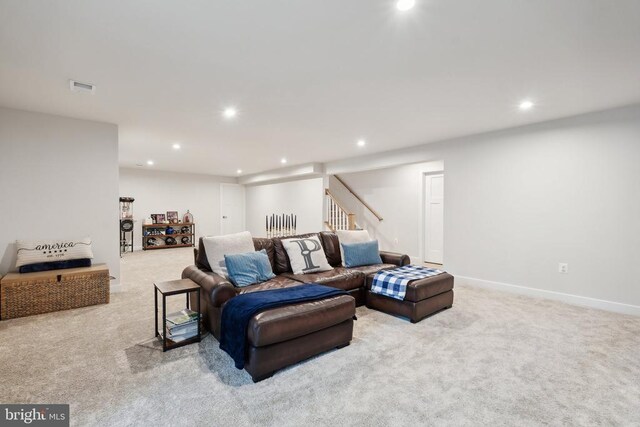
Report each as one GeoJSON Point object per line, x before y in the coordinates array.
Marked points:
{"type": "Point", "coordinates": [231, 208]}
{"type": "Point", "coordinates": [434, 219]}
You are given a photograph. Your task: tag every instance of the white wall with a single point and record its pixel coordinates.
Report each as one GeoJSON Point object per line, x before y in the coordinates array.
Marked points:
{"type": "Point", "coordinates": [159, 192]}
{"type": "Point", "coordinates": [302, 197]}
{"type": "Point", "coordinates": [58, 179]}
{"type": "Point", "coordinates": [519, 201]}
{"type": "Point", "coordinates": [397, 195]}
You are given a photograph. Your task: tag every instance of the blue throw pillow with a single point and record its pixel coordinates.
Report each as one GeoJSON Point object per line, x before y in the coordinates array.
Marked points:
{"type": "Point", "coordinates": [357, 254]}
{"type": "Point", "coordinates": [249, 268]}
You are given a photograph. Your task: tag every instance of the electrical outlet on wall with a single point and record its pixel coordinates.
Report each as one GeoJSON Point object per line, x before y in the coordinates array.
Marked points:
{"type": "Point", "coordinates": [563, 268]}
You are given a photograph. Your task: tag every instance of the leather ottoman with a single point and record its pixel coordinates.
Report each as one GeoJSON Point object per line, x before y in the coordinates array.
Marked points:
{"type": "Point", "coordinates": [423, 298]}
{"type": "Point", "coordinates": [282, 336]}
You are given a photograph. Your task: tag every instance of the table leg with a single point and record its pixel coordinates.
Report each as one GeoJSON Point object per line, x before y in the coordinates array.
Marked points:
{"type": "Point", "coordinates": [199, 317]}
{"type": "Point", "coordinates": [164, 322]}
{"type": "Point", "coordinates": [155, 297]}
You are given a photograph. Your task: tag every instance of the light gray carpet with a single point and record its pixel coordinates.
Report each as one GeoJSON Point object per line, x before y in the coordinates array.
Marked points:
{"type": "Point", "coordinates": [493, 359]}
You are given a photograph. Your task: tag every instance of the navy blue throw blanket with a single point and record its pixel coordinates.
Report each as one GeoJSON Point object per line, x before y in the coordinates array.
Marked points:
{"type": "Point", "coordinates": [238, 311]}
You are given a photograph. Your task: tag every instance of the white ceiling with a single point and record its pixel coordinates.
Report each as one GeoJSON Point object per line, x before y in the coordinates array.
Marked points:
{"type": "Point", "coordinates": [310, 77]}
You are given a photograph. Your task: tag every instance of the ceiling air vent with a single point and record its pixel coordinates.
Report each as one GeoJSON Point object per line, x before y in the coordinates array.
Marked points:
{"type": "Point", "coordinates": [82, 87]}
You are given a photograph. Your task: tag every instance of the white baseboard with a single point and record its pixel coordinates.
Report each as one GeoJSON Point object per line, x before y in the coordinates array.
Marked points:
{"type": "Point", "coordinates": [115, 286]}
{"type": "Point", "coordinates": [616, 307]}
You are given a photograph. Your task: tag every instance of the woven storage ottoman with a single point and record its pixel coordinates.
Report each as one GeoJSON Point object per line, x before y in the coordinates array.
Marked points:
{"type": "Point", "coordinates": [423, 298]}
{"type": "Point", "coordinates": [54, 290]}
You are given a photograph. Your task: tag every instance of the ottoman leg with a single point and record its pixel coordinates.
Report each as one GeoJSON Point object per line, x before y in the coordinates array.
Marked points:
{"type": "Point", "coordinates": [430, 306]}
{"type": "Point", "coordinates": [259, 378]}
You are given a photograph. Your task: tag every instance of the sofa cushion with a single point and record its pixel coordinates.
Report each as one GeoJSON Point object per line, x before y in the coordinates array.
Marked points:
{"type": "Point", "coordinates": [219, 246]}
{"type": "Point", "coordinates": [260, 243]}
{"type": "Point", "coordinates": [340, 277]}
{"type": "Point", "coordinates": [281, 259]}
{"type": "Point", "coordinates": [295, 320]}
{"type": "Point", "coordinates": [331, 246]}
{"type": "Point", "coordinates": [277, 282]}
{"type": "Point", "coordinates": [306, 255]}
{"type": "Point", "coordinates": [370, 269]}
{"type": "Point", "coordinates": [201, 257]}
{"type": "Point", "coordinates": [351, 236]}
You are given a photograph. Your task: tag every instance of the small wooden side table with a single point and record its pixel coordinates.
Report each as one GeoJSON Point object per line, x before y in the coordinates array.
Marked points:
{"type": "Point", "coordinates": [175, 287]}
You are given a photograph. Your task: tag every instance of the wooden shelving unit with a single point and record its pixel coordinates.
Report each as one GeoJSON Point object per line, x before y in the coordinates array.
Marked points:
{"type": "Point", "coordinates": [158, 232]}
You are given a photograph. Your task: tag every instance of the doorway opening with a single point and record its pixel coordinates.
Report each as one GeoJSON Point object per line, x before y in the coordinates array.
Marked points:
{"type": "Point", "coordinates": [232, 199]}
{"type": "Point", "coordinates": [433, 218]}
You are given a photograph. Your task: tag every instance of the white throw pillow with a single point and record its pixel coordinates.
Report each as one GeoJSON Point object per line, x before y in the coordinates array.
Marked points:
{"type": "Point", "coordinates": [306, 255]}
{"type": "Point", "coordinates": [217, 247]}
{"type": "Point", "coordinates": [351, 236]}
{"type": "Point", "coordinates": [37, 251]}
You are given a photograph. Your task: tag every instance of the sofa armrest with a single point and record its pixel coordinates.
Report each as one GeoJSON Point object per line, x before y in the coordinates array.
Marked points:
{"type": "Point", "coordinates": [217, 288]}
{"type": "Point", "coordinates": [394, 258]}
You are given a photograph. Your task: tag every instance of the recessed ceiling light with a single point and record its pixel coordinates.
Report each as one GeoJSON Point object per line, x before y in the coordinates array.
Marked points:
{"type": "Point", "coordinates": [176, 146]}
{"type": "Point", "coordinates": [239, 171]}
{"type": "Point", "coordinates": [230, 113]}
{"type": "Point", "coordinates": [283, 160]}
{"type": "Point", "coordinates": [404, 5]}
{"type": "Point", "coordinates": [150, 162]}
{"type": "Point", "coordinates": [362, 143]}
{"type": "Point", "coordinates": [526, 105]}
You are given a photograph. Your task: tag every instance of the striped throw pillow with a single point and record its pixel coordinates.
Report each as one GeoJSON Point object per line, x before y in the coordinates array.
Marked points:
{"type": "Point", "coordinates": [249, 268]}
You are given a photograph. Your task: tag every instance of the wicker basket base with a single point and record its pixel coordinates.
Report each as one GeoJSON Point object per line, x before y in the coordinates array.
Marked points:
{"type": "Point", "coordinates": [55, 290]}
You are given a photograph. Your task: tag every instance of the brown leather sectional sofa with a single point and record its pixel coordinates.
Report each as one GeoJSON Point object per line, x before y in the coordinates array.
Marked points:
{"type": "Point", "coordinates": [217, 290]}
{"type": "Point", "coordinates": [282, 336]}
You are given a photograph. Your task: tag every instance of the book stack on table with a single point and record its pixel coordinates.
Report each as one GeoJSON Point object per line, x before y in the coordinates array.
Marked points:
{"type": "Point", "coordinates": [182, 325]}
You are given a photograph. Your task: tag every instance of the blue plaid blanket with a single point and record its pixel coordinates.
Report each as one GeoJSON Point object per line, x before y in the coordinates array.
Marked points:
{"type": "Point", "coordinates": [393, 283]}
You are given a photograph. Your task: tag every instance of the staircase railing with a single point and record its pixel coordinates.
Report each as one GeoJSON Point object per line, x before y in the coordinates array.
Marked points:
{"type": "Point", "coordinates": [338, 218]}
{"type": "Point", "coordinates": [365, 204]}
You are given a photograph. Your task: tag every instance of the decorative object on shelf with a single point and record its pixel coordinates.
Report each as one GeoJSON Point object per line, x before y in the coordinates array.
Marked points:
{"type": "Point", "coordinates": [147, 221]}
{"type": "Point", "coordinates": [281, 225]}
{"type": "Point", "coordinates": [126, 224]}
{"type": "Point", "coordinates": [168, 235]}
{"type": "Point", "coordinates": [153, 232]}
{"type": "Point", "coordinates": [126, 207]}
{"type": "Point", "coordinates": [126, 235]}
{"type": "Point", "coordinates": [172, 217]}
{"type": "Point", "coordinates": [187, 218]}
{"type": "Point", "coordinates": [158, 218]}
